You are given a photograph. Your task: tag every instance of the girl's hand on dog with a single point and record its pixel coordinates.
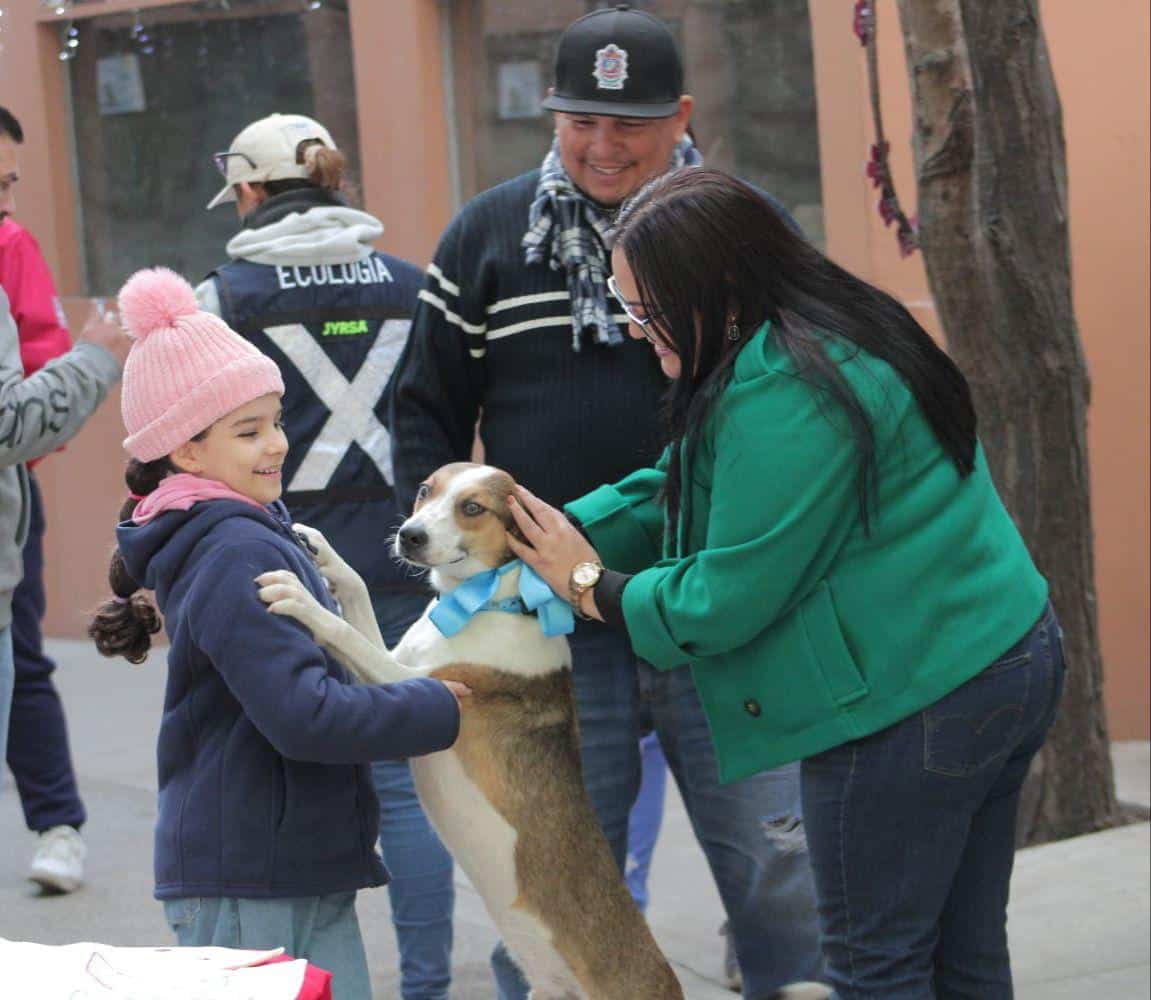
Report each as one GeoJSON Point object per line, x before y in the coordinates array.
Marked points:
{"type": "Point", "coordinates": [554, 545]}
{"type": "Point", "coordinates": [284, 594]}
{"type": "Point", "coordinates": [459, 689]}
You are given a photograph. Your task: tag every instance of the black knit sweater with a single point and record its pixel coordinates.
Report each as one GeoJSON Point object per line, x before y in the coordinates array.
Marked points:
{"type": "Point", "coordinates": [493, 336]}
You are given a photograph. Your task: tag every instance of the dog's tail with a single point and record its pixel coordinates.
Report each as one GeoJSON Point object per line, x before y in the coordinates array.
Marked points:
{"type": "Point", "coordinates": [802, 991]}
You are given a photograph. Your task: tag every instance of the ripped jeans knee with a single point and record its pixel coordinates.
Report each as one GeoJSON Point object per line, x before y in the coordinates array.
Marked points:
{"type": "Point", "coordinates": [786, 832]}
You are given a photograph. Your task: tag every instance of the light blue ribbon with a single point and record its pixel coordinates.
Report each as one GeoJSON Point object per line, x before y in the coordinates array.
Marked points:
{"type": "Point", "coordinates": [455, 609]}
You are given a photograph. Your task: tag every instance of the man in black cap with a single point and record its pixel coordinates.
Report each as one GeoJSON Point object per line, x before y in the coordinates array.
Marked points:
{"type": "Point", "coordinates": [515, 323]}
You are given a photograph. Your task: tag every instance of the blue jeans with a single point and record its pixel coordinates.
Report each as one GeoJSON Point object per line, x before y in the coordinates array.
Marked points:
{"type": "Point", "coordinates": [7, 679]}
{"type": "Point", "coordinates": [421, 890]}
{"type": "Point", "coordinates": [37, 743]}
{"type": "Point", "coordinates": [912, 834]}
{"type": "Point", "coordinates": [322, 929]}
{"type": "Point", "coordinates": [749, 830]}
{"type": "Point", "coordinates": [646, 818]}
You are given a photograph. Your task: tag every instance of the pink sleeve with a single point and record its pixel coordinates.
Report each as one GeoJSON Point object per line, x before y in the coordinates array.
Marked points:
{"type": "Point", "coordinates": [36, 308]}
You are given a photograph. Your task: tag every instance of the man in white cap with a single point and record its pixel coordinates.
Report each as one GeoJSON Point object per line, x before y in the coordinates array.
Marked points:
{"type": "Point", "coordinates": [306, 286]}
{"type": "Point", "coordinates": [516, 324]}
{"type": "Point", "coordinates": [267, 150]}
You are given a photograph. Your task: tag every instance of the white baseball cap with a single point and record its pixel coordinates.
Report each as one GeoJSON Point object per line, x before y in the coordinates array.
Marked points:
{"type": "Point", "coordinates": [268, 150]}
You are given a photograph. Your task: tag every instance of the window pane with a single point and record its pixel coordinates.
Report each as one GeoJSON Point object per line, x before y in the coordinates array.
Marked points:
{"type": "Point", "coordinates": [748, 64]}
{"type": "Point", "coordinates": [155, 94]}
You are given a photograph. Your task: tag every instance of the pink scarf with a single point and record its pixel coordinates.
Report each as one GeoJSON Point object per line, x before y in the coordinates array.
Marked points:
{"type": "Point", "coordinates": [180, 491]}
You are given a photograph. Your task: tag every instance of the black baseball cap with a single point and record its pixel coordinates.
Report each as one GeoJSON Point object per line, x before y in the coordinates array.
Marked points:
{"type": "Point", "coordinates": [617, 61]}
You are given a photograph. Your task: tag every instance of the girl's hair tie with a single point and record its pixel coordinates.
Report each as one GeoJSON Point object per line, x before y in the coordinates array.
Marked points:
{"type": "Point", "coordinates": [135, 496]}
{"type": "Point", "coordinates": [121, 600]}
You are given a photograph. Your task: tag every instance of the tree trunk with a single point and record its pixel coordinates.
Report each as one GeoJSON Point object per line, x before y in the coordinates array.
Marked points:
{"type": "Point", "coordinates": [992, 185]}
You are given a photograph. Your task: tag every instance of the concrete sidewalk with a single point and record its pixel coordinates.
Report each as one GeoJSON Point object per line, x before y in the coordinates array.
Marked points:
{"type": "Point", "coordinates": [1079, 918]}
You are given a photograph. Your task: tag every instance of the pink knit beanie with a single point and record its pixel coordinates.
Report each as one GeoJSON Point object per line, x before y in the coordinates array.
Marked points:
{"type": "Point", "coordinates": [186, 370]}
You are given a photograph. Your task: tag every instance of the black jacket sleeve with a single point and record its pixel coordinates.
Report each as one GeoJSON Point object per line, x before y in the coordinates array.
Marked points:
{"type": "Point", "coordinates": [437, 388]}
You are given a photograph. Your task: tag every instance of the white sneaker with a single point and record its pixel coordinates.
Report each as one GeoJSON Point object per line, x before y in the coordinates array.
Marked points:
{"type": "Point", "coordinates": [58, 864]}
{"type": "Point", "coordinates": [732, 977]}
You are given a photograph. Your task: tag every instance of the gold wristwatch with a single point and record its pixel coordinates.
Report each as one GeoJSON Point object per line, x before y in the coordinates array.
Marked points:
{"type": "Point", "coordinates": [584, 576]}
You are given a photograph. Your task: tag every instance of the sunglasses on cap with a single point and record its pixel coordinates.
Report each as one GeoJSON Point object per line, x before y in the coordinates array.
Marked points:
{"type": "Point", "coordinates": [221, 161]}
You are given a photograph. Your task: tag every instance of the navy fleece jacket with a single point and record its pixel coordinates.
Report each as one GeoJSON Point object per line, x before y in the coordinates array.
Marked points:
{"type": "Point", "coordinates": [264, 742]}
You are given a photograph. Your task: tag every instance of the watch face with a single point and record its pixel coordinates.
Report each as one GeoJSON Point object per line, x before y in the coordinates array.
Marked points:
{"type": "Point", "coordinates": [585, 574]}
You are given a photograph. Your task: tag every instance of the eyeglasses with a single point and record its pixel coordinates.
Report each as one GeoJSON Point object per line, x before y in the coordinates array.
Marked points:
{"type": "Point", "coordinates": [643, 322]}
{"type": "Point", "coordinates": [221, 161]}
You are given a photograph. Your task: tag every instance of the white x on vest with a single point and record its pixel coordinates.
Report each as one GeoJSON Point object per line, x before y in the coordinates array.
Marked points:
{"type": "Point", "coordinates": [352, 404]}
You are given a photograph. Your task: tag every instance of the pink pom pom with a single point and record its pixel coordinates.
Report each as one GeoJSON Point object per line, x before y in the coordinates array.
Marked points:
{"type": "Point", "coordinates": [154, 299]}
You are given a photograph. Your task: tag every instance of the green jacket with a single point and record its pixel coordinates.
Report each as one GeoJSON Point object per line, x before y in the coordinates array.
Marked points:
{"type": "Point", "coordinates": [803, 631]}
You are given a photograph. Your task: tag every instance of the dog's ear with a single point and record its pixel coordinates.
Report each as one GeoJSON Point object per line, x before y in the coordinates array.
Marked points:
{"type": "Point", "coordinates": [513, 530]}
{"type": "Point", "coordinates": [508, 519]}
{"type": "Point", "coordinates": [504, 487]}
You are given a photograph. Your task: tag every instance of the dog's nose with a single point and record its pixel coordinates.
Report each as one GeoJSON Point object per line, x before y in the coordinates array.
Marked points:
{"type": "Point", "coordinates": [413, 537]}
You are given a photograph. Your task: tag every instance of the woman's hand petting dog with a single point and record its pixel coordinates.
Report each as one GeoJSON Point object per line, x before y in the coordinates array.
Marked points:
{"type": "Point", "coordinates": [554, 545]}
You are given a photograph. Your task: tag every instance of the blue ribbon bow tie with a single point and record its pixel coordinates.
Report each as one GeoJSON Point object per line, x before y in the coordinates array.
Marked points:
{"type": "Point", "coordinates": [455, 609]}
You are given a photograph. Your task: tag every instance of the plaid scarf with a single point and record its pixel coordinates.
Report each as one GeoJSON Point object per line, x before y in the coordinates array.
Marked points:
{"type": "Point", "coordinates": [570, 231]}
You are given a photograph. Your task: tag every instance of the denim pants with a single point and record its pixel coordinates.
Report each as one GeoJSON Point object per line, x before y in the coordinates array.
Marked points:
{"type": "Point", "coordinates": [912, 834]}
{"type": "Point", "coordinates": [750, 830]}
{"type": "Point", "coordinates": [322, 929]}
{"type": "Point", "coordinates": [646, 818]}
{"type": "Point", "coordinates": [421, 890]}
{"type": "Point", "coordinates": [7, 678]}
{"type": "Point", "coordinates": [37, 743]}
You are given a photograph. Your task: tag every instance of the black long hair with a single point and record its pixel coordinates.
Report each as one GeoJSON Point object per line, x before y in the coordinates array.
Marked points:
{"type": "Point", "coordinates": [705, 248]}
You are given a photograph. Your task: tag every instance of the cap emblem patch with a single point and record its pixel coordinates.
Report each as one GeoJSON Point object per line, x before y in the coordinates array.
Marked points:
{"type": "Point", "coordinates": [610, 67]}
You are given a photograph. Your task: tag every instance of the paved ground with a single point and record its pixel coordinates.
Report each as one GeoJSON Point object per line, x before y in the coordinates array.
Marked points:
{"type": "Point", "coordinates": [1079, 915]}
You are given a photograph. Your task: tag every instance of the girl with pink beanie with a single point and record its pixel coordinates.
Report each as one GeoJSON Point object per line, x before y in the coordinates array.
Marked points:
{"type": "Point", "coordinates": [267, 814]}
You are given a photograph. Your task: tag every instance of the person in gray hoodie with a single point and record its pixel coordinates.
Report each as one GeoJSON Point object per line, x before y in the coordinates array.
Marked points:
{"type": "Point", "coordinates": [37, 415]}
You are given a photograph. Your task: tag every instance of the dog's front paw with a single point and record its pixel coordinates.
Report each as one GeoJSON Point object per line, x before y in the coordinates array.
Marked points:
{"type": "Point", "coordinates": [284, 594]}
{"type": "Point", "coordinates": [342, 579]}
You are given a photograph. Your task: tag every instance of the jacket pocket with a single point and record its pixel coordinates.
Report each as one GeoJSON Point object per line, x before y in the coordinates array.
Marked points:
{"type": "Point", "coordinates": [319, 797]}
{"type": "Point", "coordinates": [981, 721]}
{"type": "Point", "coordinates": [844, 683]}
{"type": "Point", "coordinates": [280, 796]}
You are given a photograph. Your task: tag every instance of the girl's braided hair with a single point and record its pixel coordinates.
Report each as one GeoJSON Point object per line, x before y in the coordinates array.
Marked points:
{"type": "Point", "coordinates": [124, 626]}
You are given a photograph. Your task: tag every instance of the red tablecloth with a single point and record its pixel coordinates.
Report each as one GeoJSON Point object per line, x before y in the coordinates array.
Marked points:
{"type": "Point", "coordinates": [317, 983]}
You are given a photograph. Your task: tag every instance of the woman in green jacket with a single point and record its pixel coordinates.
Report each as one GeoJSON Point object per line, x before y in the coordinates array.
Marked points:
{"type": "Point", "coordinates": [823, 543]}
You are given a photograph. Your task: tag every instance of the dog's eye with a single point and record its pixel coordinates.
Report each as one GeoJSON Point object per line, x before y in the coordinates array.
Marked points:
{"type": "Point", "coordinates": [471, 508]}
{"type": "Point", "coordinates": [423, 491]}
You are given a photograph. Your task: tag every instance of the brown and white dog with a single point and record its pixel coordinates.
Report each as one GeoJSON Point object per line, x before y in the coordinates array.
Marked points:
{"type": "Point", "coordinates": [508, 799]}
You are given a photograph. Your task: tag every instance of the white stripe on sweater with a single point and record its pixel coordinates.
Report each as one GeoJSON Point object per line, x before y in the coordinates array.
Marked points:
{"type": "Point", "coordinates": [530, 324]}
{"type": "Point", "coordinates": [451, 317]}
{"type": "Point", "coordinates": [448, 286]}
{"type": "Point", "coordinates": [527, 300]}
